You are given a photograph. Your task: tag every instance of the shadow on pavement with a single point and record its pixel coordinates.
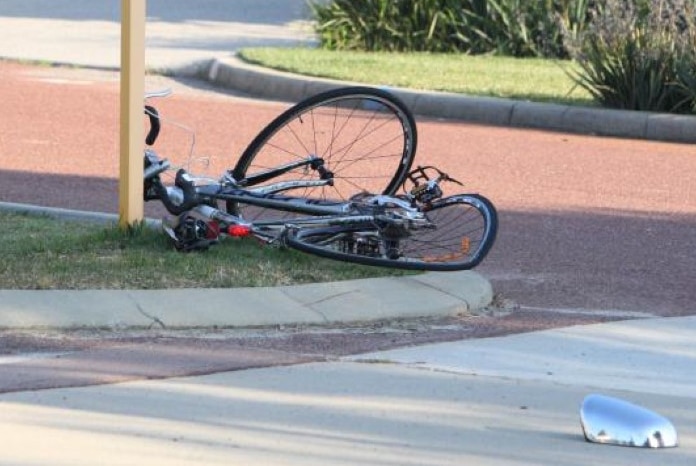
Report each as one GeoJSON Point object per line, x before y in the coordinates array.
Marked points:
{"type": "Point", "coordinates": [92, 194]}
{"type": "Point", "coordinates": [595, 260]}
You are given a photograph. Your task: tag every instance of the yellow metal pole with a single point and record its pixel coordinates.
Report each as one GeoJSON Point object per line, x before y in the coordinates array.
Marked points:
{"type": "Point", "coordinates": [133, 13]}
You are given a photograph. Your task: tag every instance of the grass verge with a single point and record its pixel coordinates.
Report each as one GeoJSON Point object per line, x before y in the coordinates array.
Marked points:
{"type": "Point", "coordinates": [44, 253]}
{"type": "Point", "coordinates": [540, 80]}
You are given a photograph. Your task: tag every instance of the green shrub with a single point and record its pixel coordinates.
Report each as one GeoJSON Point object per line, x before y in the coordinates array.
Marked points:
{"type": "Point", "coordinates": [519, 28]}
{"type": "Point", "coordinates": [524, 28]}
{"type": "Point", "coordinates": [640, 55]}
{"type": "Point", "coordinates": [389, 25]}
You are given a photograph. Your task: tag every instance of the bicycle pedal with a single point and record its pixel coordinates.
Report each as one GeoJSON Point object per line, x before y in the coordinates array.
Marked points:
{"type": "Point", "coordinates": [426, 193]}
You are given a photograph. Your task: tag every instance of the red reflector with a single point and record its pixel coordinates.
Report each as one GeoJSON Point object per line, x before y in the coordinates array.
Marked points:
{"type": "Point", "coordinates": [213, 230]}
{"type": "Point", "coordinates": [238, 230]}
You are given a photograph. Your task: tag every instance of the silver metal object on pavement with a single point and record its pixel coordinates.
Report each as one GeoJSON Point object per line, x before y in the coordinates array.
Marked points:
{"type": "Point", "coordinates": [613, 421]}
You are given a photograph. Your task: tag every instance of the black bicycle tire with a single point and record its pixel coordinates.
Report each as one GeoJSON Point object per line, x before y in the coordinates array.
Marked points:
{"type": "Point", "coordinates": [402, 112]}
{"type": "Point", "coordinates": [297, 240]}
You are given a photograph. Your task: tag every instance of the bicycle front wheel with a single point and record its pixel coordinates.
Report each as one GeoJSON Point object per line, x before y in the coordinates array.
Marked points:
{"type": "Point", "coordinates": [461, 233]}
{"type": "Point", "coordinates": [366, 138]}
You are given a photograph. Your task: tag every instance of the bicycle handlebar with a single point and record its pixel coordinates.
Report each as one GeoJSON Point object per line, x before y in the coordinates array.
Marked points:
{"type": "Point", "coordinates": [155, 126]}
{"type": "Point", "coordinates": [190, 199]}
{"type": "Point", "coordinates": [176, 199]}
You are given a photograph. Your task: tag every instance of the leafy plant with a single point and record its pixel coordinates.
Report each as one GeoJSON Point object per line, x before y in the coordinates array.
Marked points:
{"type": "Point", "coordinates": [639, 55]}
{"type": "Point", "coordinates": [398, 25]}
{"type": "Point", "coordinates": [520, 28]}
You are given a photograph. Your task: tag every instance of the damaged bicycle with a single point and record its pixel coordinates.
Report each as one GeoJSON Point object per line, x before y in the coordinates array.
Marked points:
{"type": "Point", "coordinates": [332, 176]}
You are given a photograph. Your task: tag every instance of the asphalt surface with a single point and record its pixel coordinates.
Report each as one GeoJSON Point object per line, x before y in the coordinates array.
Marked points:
{"type": "Point", "coordinates": [590, 226]}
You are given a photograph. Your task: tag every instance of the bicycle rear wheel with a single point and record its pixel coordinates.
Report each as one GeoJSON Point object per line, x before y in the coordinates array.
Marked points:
{"type": "Point", "coordinates": [463, 231]}
{"type": "Point", "coordinates": [365, 136]}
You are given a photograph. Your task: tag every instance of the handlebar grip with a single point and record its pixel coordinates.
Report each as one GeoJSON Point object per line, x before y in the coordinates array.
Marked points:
{"type": "Point", "coordinates": [155, 126]}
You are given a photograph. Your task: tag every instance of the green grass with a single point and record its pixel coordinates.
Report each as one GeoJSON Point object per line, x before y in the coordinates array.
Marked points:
{"type": "Point", "coordinates": [45, 253]}
{"type": "Point", "coordinates": [539, 80]}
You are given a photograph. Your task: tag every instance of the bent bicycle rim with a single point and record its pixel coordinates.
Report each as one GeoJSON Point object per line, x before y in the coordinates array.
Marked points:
{"type": "Point", "coordinates": [463, 232]}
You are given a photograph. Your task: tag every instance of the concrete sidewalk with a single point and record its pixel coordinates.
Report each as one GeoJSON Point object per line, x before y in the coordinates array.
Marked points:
{"type": "Point", "coordinates": [500, 401]}
{"type": "Point", "coordinates": [179, 34]}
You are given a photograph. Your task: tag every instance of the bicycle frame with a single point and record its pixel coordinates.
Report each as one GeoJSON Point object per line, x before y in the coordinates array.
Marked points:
{"type": "Point", "coordinates": [322, 213]}
{"type": "Point", "coordinates": [267, 195]}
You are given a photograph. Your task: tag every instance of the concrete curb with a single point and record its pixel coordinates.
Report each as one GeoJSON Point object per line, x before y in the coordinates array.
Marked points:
{"type": "Point", "coordinates": [430, 294]}
{"type": "Point", "coordinates": [233, 73]}
{"type": "Point", "coordinates": [69, 214]}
